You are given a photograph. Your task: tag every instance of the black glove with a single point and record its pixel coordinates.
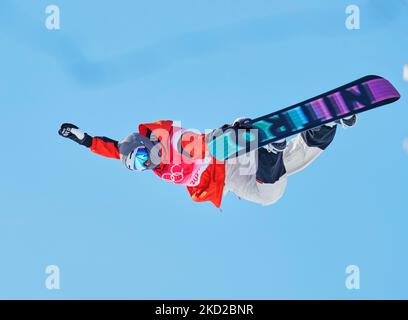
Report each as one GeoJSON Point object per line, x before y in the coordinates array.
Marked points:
{"type": "Point", "coordinates": [72, 132]}
{"type": "Point", "coordinates": [240, 123]}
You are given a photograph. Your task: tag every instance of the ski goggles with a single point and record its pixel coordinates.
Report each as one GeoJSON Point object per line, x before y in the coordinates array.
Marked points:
{"type": "Point", "coordinates": [139, 159]}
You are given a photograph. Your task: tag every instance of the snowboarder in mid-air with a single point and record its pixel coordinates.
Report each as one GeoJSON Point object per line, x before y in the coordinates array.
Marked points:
{"type": "Point", "coordinates": [195, 160]}
{"type": "Point", "coordinates": [155, 147]}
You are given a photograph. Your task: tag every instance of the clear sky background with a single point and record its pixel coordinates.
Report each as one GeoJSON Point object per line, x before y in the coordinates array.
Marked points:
{"type": "Point", "coordinates": [117, 234]}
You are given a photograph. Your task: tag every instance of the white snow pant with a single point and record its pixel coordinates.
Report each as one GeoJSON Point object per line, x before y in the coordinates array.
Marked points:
{"type": "Point", "coordinates": [241, 172]}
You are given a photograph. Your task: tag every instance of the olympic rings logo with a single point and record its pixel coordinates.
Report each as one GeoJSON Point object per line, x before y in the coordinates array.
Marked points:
{"type": "Point", "coordinates": [173, 175]}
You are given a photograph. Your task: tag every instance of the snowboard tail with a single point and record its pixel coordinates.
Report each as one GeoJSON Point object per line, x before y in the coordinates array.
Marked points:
{"type": "Point", "coordinates": [355, 97]}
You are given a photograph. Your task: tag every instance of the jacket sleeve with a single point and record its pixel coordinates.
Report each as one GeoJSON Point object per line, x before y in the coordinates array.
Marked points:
{"type": "Point", "coordinates": [105, 147]}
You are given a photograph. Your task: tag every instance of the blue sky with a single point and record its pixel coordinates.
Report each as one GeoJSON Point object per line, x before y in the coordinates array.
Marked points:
{"type": "Point", "coordinates": [117, 234]}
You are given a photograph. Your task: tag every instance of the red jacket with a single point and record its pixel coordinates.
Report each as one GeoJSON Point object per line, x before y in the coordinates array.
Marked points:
{"type": "Point", "coordinates": [211, 184]}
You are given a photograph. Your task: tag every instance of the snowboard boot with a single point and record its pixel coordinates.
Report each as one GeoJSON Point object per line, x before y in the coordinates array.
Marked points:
{"type": "Point", "coordinates": [320, 137]}
{"type": "Point", "coordinates": [276, 147]}
{"type": "Point", "coordinates": [270, 162]}
{"type": "Point", "coordinates": [348, 122]}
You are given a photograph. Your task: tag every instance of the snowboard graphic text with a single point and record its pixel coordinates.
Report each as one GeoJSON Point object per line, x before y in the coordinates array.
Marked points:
{"type": "Point", "coordinates": [358, 96]}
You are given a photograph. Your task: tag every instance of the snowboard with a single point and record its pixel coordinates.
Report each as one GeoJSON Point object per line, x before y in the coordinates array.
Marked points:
{"type": "Point", "coordinates": [355, 97]}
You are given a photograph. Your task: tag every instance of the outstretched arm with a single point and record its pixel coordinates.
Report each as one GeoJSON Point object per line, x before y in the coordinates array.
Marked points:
{"type": "Point", "coordinates": [100, 145]}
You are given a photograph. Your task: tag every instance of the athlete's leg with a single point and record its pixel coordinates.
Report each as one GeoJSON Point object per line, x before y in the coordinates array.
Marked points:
{"type": "Point", "coordinates": [244, 174]}
{"type": "Point", "coordinates": [263, 178]}
{"type": "Point", "coordinates": [306, 147]}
